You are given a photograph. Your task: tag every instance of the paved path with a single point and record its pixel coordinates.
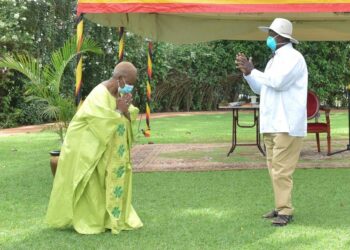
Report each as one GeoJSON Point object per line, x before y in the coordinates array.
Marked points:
{"type": "Point", "coordinates": [208, 157]}
{"type": "Point", "coordinates": [38, 128]}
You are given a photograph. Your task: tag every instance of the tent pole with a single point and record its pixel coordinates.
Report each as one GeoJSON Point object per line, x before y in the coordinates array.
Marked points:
{"type": "Point", "coordinates": [121, 44]}
{"type": "Point", "coordinates": [147, 132]}
{"type": "Point", "coordinates": [79, 67]}
{"type": "Point", "coordinates": [348, 146]}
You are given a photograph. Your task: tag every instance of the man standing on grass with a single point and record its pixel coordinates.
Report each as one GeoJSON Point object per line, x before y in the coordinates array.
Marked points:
{"type": "Point", "coordinates": [92, 186]}
{"type": "Point", "coordinates": [283, 93]}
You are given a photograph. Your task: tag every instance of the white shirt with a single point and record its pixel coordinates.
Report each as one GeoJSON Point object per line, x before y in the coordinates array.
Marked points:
{"type": "Point", "coordinates": [283, 92]}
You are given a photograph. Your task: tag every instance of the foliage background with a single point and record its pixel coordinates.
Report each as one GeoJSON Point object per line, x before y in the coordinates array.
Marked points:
{"type": "Point", "coordinates": [189, 77]}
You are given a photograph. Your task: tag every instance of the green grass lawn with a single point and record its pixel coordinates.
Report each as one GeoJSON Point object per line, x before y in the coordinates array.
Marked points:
{"type": "Point", "coordinates": [180, 210]}
{"type": "Point", "coordinates": [218, 128]}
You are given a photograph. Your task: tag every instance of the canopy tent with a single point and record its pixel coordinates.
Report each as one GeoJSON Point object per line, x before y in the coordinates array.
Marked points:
{"type": "Point", "coordinates": [190, 21]}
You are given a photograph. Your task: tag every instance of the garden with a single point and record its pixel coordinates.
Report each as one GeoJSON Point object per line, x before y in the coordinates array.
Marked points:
{"type": "Point", "coordinates": [187, 191]}
{"type": "Point", "coordinates": [186, 209]}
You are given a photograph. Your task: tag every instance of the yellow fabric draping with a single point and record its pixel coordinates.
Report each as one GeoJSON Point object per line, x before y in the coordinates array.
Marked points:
{"type": "Point", "coordinates": [93, 183]}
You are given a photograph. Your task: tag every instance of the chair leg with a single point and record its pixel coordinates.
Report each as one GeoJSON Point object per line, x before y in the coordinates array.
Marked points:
{"type": "Point", "coordinates": [328, 143]}
{"type": "Point", "coordinates": [318, 142]}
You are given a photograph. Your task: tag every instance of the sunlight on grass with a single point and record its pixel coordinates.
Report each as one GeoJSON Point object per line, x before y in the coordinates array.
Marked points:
{"type": "Point", "coordinates": [343, 130]}
{"type": "Point", "coordinates": [210, 128]}
{"type": "Point", "coordinates": [19, 231]}
{"type": "Point", "coordinates": [210, 212]}
{"type": "Point", "coordinates": [312, 238]}
{"type": "Point", "coordinates": [180, 210]}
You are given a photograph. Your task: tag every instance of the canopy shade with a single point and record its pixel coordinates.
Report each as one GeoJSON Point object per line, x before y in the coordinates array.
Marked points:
{"type": "Point", "coordinates": [190, 21]}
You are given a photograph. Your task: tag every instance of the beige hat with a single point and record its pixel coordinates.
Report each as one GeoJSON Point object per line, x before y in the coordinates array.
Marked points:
{"type": "Point", "coordinates": [282, 27]}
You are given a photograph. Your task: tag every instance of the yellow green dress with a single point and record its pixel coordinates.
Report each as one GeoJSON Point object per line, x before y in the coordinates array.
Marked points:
{"type": "Point", "coordinates": [93, 183]}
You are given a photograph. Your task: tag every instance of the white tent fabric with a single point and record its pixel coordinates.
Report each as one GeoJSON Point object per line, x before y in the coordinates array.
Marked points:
{"type": "Point", "coordinates": [182, 28]}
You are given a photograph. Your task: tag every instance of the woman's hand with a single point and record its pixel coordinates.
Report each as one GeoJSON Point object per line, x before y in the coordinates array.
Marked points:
{"type": "Point", "coordinates": [124, 102]}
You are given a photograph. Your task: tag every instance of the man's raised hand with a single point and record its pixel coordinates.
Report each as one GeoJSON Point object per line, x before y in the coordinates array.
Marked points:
{"type": "Point", "coordinates": [243, 64]}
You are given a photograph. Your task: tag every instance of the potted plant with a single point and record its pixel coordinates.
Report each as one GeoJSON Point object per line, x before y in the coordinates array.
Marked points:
{"type": "Point", "coordinates": [44, 85]}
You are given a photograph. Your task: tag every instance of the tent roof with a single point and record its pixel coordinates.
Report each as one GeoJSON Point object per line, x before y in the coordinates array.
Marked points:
{"type": "Point", "coordinates": [188, 21]}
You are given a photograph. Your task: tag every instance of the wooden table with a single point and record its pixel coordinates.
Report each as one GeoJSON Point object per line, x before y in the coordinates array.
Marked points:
{"type": "Point", "coordinates": [235, 124]}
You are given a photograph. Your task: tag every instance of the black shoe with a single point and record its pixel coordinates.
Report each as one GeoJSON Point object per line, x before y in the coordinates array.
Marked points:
{"type": "Point", "coordinates": [282, 220]}
{"type": "Point", "coordinates": [270, 215]}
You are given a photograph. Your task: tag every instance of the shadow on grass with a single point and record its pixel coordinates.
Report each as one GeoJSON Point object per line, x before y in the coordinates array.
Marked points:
{"type": "Point", "coordinates": [212, 210]}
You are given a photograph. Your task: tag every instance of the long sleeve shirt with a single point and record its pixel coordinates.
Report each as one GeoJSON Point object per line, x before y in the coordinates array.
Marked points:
{"type": "Point", "coordinates": [283, 92]}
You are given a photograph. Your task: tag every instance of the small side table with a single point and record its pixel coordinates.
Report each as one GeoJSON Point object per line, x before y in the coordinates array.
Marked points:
{"type": "Point", "coordinates": [235, 124]}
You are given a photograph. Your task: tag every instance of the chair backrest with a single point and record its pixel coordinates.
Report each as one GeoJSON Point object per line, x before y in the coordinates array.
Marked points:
{"type": "Point", "coordinates": [313, 105]}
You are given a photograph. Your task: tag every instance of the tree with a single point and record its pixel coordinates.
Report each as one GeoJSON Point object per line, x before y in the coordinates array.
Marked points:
{"type": "Point", "coordinates": [43, 85]}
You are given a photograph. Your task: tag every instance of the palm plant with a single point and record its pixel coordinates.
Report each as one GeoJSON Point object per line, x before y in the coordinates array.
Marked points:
{"type": "Point", "coordinates": [44, 83]}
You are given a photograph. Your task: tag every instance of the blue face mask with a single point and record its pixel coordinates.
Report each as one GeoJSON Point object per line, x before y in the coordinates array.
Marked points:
{"type": "Point", "coordinates": [271, 43]}
{"type": "Point", "coordinates": [126, 89]}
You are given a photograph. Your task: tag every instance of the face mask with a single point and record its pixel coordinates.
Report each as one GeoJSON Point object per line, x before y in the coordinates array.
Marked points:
{"type": "Point", "coordinates": [126, 89]}
{"type": "Point", "coordinates": [271, 43]}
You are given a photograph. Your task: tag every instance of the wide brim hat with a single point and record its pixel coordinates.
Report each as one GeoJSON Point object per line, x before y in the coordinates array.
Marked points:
{"type": "Point", "coordinates": [282, 27]}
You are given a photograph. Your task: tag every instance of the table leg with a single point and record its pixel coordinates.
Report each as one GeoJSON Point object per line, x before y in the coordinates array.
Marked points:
{"type": "Point", "coordinates": [258, 135]}
{"type": "Point", "coordinates": [234, 132]}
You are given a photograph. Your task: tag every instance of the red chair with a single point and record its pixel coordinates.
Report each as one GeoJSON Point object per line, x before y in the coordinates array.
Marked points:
{"type": "Point", "coordinates": [313, 108]}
